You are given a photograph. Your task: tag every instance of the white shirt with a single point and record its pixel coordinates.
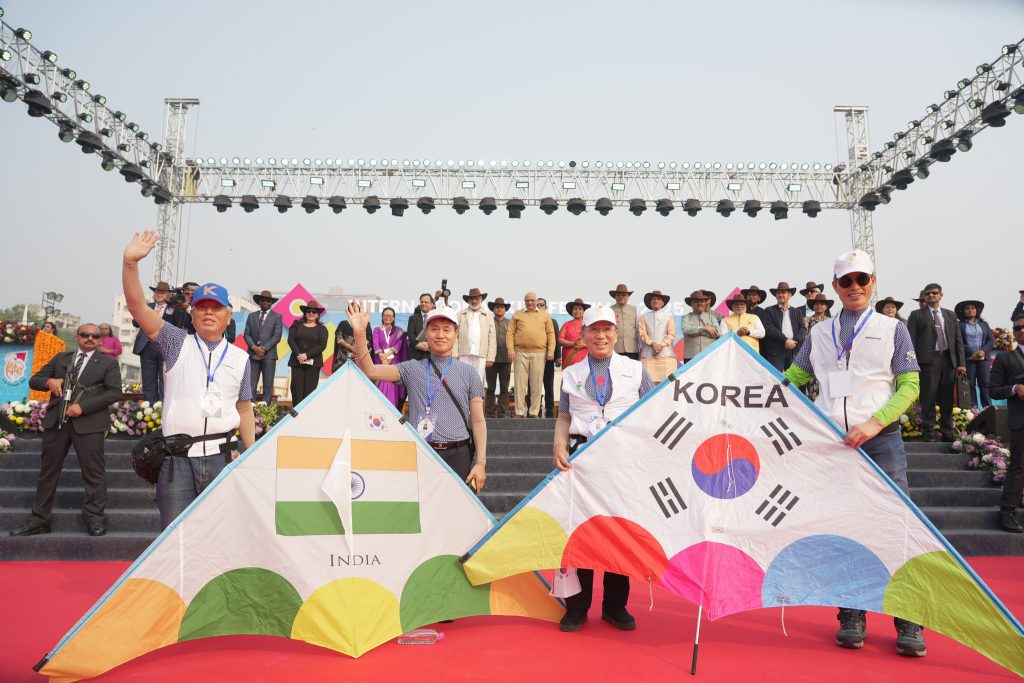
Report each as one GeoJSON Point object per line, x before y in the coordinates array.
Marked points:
{"type": "Point", "coordinates": [787, 324]}
{"type": "Point", "coordinates": [88, 357]}
{"type": "Point", "coordinates": [474, 333]}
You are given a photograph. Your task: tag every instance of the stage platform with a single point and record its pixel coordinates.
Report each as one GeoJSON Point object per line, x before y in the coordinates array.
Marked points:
{"type": "Point", "coordinates": [42, 600]}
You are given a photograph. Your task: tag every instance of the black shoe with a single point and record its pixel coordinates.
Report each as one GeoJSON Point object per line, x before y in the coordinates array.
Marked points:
{"type": "Point", "coordinates": [97, 529]}
{"type": "Point", "coordinates": [948, 438]}
{"type": "Point", "coordinates": [909, 639]}
{"type": "Point", "coordinates": [852, 628]}
{"type": "Point", "coordinates": [1007, 520]}
{"type": "Point", "coordinates": [573, 620]}
{"type": "Point", "coordinates": [31, 528]}
{"type": "Point", "coordinates": [925, 436]}
{"type": "Point", "coordinates": [619, 618]}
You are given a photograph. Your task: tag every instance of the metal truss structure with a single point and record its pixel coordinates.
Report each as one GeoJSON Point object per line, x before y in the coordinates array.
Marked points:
{"type": "Point", "coordinates": [866, 180]}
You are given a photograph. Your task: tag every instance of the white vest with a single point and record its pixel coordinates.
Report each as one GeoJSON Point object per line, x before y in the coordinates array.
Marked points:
{"type": "Point", "coordinates": [185, 384]}
{"type": "Point", "coordinates": [870, 366]}
{"type": "Point", "coordinates": [626, 375]}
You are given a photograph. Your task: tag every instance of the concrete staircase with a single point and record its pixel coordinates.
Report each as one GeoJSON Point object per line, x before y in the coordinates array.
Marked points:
{"type": "Point", "coordinates": [961, 503]}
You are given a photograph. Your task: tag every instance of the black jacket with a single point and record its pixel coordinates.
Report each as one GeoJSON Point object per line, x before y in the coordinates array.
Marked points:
{"type": "Point", "coordinates": [314, 351]}
{"type": "Point", "coordinates": [774, 341]}
{"type": "Point", "coordinates": [101, 377]}
{"type": "Point", "coordinates": [922, 333]}
{"type": "Point", "coordinates": [1007, 370]}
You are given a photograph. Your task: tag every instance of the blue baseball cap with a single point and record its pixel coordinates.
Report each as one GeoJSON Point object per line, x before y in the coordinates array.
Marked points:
{"type": "Point", "coordinates": [211, 291]}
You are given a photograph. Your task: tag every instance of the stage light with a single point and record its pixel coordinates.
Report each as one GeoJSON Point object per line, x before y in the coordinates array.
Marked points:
{"type": "Point", "coordinates": [664, 206]}
{"type": "Point", "coordinates": [337, 204]}
{"type": "Point", "coordinates": [371, 204]}
{"type": "Point", "coordinates": [869, 201]}
{"type": "Point", "coordinates": [751, 207]}
{"type": "Point", "coordinates": [603, 206]}
{"type": "Point", "coordinates": [161, 195]}
{"type": "Point", "coordinates": [89, 142]}
{"type": "Point", "coordinates": [995, 115]}
{"type": "Point", "coordinates": [637, 206]}
{"type": "Point", "coordinates": [734, 187]}
{"type": "Point", "coordinates": [65, 132]}
{"type": "Point", "coordinates": [922, 170]}
{"type": "Point", "coordinates": [812, 208]}
{"type": "Point", "coordinates": [725, 207]}
{"type": "Point", "coordinates": [576, 206]}
{"type": "Point", "coordinates": [692, 207]}
{"type": "Point", "coordinates": [983, 69]}
{"type": "Point", "coordinates": [548, 205]}
{"type": "Point", "coordinates": [976, 104]}
{"type": "Point", "coordinates": [8, 90]}
{"type": "Point", "coordinates": [901, 179]}
{"type": "Point", "coordinates": [931, 109]}
{"type": "Point", "coordinates": [86, 117]}
{"type": "Point", "coordinates": [59, 96]}
{"type": "Point", "coordinates": [132, 173]}
{"type": "Point", "coordinates": [268, 184]}
{"type": "Point", "coordinates": [222, 203]}
{"type": "Point", "coordinates": [461, 205]}
{"type": "Point", "coordinates": [156, 146]}
{"type": "Point", "coordinates": [38, 104]}
{"type": "Point", "coordinates": [515, 208]}
{"type": "Point", "coordinates": [943, 150]}
{"type": "Point", "coordinates": [82, 84]}
{"type": "Point", "coordinates": [425, 204]}
{"type": "Point", "coordinates": [963, 83]}
{"type": "Point", "coordinates": [120, 116]}
{"type": "Point", "coordinates": [964, 143]}
{"type": "Point", "coordinates": [99, 99]}
{"type": "Point", "coordinates": [780, 210]}
{"type": "Point", "coordinates": [107, 162]}
{"type": "Point", "coordinates": [50, 56]}
{"type": "Point", "coordinates": [5, 55]}
{"type": "Point", "coordinates": [488, 205]}
{"type": "Point", "coordinates": [134, 127]}
{"type": "Point", "coordinates": [249, 203]}
{"type": "Point", "coordinates": [949, 94]}
{"type": "Point", "coordinates": [123, 147]}
{"type": "Point", "coordinates": [284, 202]}
{"type": "Point", "coordinates": [147, 189]}
{"type": "Point", "coordinates": [31, 78]}
{"type": "Point", "coordinates": [23, 33]}
{"type": "Point", "coordinates": [310, 203]}
{"type": "Point", "coordinates": [1018, 101]}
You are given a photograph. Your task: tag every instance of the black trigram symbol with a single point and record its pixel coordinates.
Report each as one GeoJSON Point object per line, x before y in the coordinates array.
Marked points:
{"type": "Point", "coordinates": [781, 501]}
{"type": "Point", "coordinates": [781, 436]}
{"type": "Point", "coordinates": [669, 500]}
{"type": "Point", "coordinates": [673, 429]}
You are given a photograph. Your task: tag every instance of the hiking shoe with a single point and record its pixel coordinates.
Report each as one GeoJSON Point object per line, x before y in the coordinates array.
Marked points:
{"type": "Point", "coordinates": [910, 639]}
{"type": "Point", "coordinates": [573, 620]}
{"type": "Point", "coordinates": [619, 618]}
{"type": "Point", "coordinates": [852, 628]}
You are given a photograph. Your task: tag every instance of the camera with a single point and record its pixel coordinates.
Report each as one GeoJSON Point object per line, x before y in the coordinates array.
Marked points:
{"type": "Point", "coordinates": [176, 298]}
{"type": "Point", "coordinates": [445, 292]}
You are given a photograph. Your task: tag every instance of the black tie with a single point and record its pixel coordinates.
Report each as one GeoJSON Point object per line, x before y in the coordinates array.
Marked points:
{"type": "Point", "coordinates": [78, 364]}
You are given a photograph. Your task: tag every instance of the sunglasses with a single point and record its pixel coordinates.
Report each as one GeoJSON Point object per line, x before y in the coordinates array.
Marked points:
{"type": "Point", "coordinates": [847, 281]}
{"type": "Point", "coordinates": [1018, 328]}
{"type": "Point", "coordinates": [933, 292]}
{"type": "Point", "coordinates": [87, 335]}
{"type": "Point", "coordinates": [542, 305]}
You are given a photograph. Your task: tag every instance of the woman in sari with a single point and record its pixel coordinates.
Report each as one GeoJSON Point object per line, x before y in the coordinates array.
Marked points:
{"type": "Point", "coordinates": [390, 347]}
{"type": "Point", "coordinates": [570, 337]}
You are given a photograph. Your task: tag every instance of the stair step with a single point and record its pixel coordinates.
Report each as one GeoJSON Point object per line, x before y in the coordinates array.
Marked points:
{"type": "Point", "coordinates": [503, 482]}
{"type": "Point", "coordinates": [963, 518]}
{"type": "Point", "coordinates": [942, 461]}
{"type": "Point", "coordinates": [985, 542]}
{"type": "Point", "coordinates": [955, 497]}
{"type": "Point", "coordinates": [72, 478]}
{"type": "Point", "coordinates": [70, 520]}
{"type": "Point", "coordinates": [71, 497]}
{"type": "Point", "coordinates": [953, 478]}
{"type": "Point", "coordinates": [928, 447]}
{"type": "Point", "coordinates": [116, 545]}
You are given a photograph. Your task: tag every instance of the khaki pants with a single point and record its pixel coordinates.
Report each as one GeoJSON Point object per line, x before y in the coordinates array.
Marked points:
{"type": "Point", "coordinates": [529, 372]}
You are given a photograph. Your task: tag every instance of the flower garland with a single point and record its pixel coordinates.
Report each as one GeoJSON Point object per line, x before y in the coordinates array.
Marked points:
{"type": "Point", "coordinates": [135, 418]}
{"type": "Point", "coordinates": [911, 421]}
{"type": "Point", "coordinates": [26, 417]}
{"type": "Point", "coordinates": [6, 441]}
{"type": "Point", "coordinates": [987, 454]}
{"type": "Point", "coordinates": [267, 415]}
{"type": "Point", "coordinates": [1003, 339]}
{"type": "Point", "coordinates": [13, 332]}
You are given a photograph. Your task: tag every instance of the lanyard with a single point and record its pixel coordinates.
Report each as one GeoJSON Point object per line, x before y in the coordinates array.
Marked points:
{"type": "Point", "coordinates": [432, 394]}
{"type": "Point", "coordinates": [600, 386]}
{"type": "Point", "coordinates": [387, 335]}
{"type": "Point", "coordinates": [856, 331]}
{"type": "Point", "coordinates": [209, 375]}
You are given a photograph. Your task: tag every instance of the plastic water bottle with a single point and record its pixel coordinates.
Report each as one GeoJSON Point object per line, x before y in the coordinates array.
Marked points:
{"type": "Point", "coordinates": [421, 636]}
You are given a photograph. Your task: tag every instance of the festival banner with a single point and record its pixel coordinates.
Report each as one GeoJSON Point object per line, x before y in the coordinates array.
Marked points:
{"type": "Point", "coordinates": [15, 372]}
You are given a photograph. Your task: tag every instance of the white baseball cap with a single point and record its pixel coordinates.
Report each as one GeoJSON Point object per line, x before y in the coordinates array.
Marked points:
{"type": "Point", "coordinates": [855, 261]}
{"type": "Point", "coordinates": [443, 312]}
{"type": "Point", "coordinates": [599, 313]}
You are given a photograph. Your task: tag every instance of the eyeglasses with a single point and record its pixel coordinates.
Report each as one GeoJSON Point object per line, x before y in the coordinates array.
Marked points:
{"type": "Point", "coordinates": [1018, 328]}
{"type": "Point", "coordinates": [542, 305]}
{"type": "Point", "coordinates": [933, 292]}
{"type": "Point", "coordinates": [88, 335]}
{"type": "Point", "coordinates": [847, 281]}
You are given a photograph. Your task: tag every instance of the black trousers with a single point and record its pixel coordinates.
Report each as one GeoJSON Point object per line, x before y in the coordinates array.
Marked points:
{"type": "Point", "coordinates": [305, 379]}
{"type": "Point", "coordinates": [151, 363]}
{"type": "Point", "coordinates": [498, 374]}
{"type": "Point", "coordinates": [459, 459]}
{"type": "Point", "coordinates": [937, 387]}
{"type": "Point", "coordinates": [616, 591]}
{"type": "Point", "coordinates": [634, 356]}
{"type": "Point", "coordinates": [549, 388]}
{"type": "Point", "coordinates": [1013, 487]}
{"type": "Point", "coordinates": [265, 369]}
{"type": "Point", "coordinates": [89, 448]}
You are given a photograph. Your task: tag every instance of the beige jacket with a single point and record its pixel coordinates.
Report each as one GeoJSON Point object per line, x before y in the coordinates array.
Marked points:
{"type": "Point", "coordinates": [531, 331]}
{"type": "Point", "coordinates": [488, 338]}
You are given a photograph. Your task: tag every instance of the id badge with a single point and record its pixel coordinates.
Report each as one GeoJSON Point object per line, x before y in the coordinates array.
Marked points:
{"type": "Point", "coordinates": [212, 403]}
{"type": "Point", "coordinates": [597, 423]}
{"type": "Point", "coordinates": [840, 383]}
{"type": "Point", "coordinates": [425, 427]}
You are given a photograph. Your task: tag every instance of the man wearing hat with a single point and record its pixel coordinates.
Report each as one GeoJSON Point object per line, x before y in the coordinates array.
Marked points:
{"type": "Point", "coordinates": [868, 373]}
{"type": "Point", "coordinates": [783, 328]}
{"type": "Point", "coordinates": [700, 326]}
{"type": "Point", "coordinates": [628, 344]}
{"type": "Point", "coordinates": [754, 296]}
{"type": "Point", "coordinates": [476, 345]}
{"type": "Point", "coordinates": [978, 344]}
{"type": "Point", "coordinates": [262, 333]}
{"type": "Point", "coordinates": [1007, 382]}
{"type": "Point", "coordinates": [499, 372]}
{"type": "Point", "coordinates": [1018, 310]}
{"type": "Point", "coordinates": [208, 385]}
{"type": "Point", "coordinates": [747, 326]}
{"type": "Point", "coordinates": [150, 360]}
{"type": "Point", "coordinates": [593, 394]}
{"type": "Point", "coordinates": [939, 345]}
{"type": "Point", "coordinates": [922, 300]}
{"type": "Point", "coordinates": [809, 292]}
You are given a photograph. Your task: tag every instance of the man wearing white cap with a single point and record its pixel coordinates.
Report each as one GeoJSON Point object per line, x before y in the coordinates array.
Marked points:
{"type": "Point", "coordinates": [446, 396]}
{"type": "Point", "coordinates": [593, 394]}
{"type": "Point", "coordinates": [869, 376]}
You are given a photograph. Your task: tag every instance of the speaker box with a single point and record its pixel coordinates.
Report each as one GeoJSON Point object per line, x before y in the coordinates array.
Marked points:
{"type": "Point", "coordinates": [992, 421]}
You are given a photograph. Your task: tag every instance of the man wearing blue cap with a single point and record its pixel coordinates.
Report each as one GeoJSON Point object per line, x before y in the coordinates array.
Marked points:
{"type": "Point", "coordinates": [207, 385]}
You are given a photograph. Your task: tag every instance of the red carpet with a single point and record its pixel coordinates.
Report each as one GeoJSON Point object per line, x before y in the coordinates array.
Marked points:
{"type": "Point", "coordinates": [42, 600]}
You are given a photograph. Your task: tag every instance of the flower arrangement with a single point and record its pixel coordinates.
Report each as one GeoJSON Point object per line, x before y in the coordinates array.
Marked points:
{"type": "Point", "coordinates": [911, 421]}
{"type": "Point", "coordinates": [6, 441]}
{"type": "Point", "coordinates": [135, 418]}
{"type": "Point", "coordinates": [1003, 339]}
{"type": "Point", "coordinates": [26, 417]}
{"type": "Point", "coordinates": [12, 332]}
{"type": "Point", "coordinates": [131, 388]}
{"type": "Point", "coordinates": [985, 454]}
{"type": "Point", "coordinates": [267, 415]}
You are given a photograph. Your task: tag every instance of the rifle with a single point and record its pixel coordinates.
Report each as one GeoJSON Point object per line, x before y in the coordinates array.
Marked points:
{"type": "Point", "coordinates": [70, 382]}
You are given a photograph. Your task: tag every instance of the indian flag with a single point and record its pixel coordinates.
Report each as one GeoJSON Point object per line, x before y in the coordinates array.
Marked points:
{"type": "Point", "coordinates": [384, 487]}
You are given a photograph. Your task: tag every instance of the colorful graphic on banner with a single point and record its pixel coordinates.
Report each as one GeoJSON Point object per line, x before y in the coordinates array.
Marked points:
{"type": "Point", "coordinates": [15, 372]}
{"type": "Point", "coordinates": [263, 550]}
{"type": "Point", "coordinates": [733, 491]}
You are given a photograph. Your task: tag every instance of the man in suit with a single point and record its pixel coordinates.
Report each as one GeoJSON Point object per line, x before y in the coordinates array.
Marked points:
{"type": "Point", "coordinates": [783, 328]}
{"type": "Point", "coordinates": [809, 292]}
{"type": "Point", "coordinates": [150, 359]}
{"type": "Point", "coordinates": [94, 383]}
{"type": "Point", "coordinates": [1018, 310]}
{"type": "Point", "coordinates": [1007, 381]}
{"type": "Point", "coordinates": [262, 334]}
{"type": "Point", "coordinates": [939, 346]}
{"type": "Point", "coordinates": [418, 349]}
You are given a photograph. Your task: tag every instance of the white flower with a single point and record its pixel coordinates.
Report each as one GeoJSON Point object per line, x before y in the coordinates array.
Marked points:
{"type": "Point", "coordinates": [904, 419]}
{"type": "Point", "coordinates": [119, 426]}
{"type": "Point", "coordinates": [147, 411]}
{"type": "Point", "coordinates": [138, 415]}
{"type": "Point", "coordinates": [144, 404]}
{"type": "Point", "coordinates": [158, 405]}
{"type": "Point", "coordinates": [4, 444]}
{"type": "Point", "coordinates": [978, 437]}
{"type": "Point", "coordinates": [1004, 452]}
{"type": "Point", "coordinates": [987, 457]}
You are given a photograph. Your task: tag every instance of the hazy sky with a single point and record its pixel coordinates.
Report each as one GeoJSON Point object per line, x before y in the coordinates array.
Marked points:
{"type": "Point", "coordinates": [744, 80]}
